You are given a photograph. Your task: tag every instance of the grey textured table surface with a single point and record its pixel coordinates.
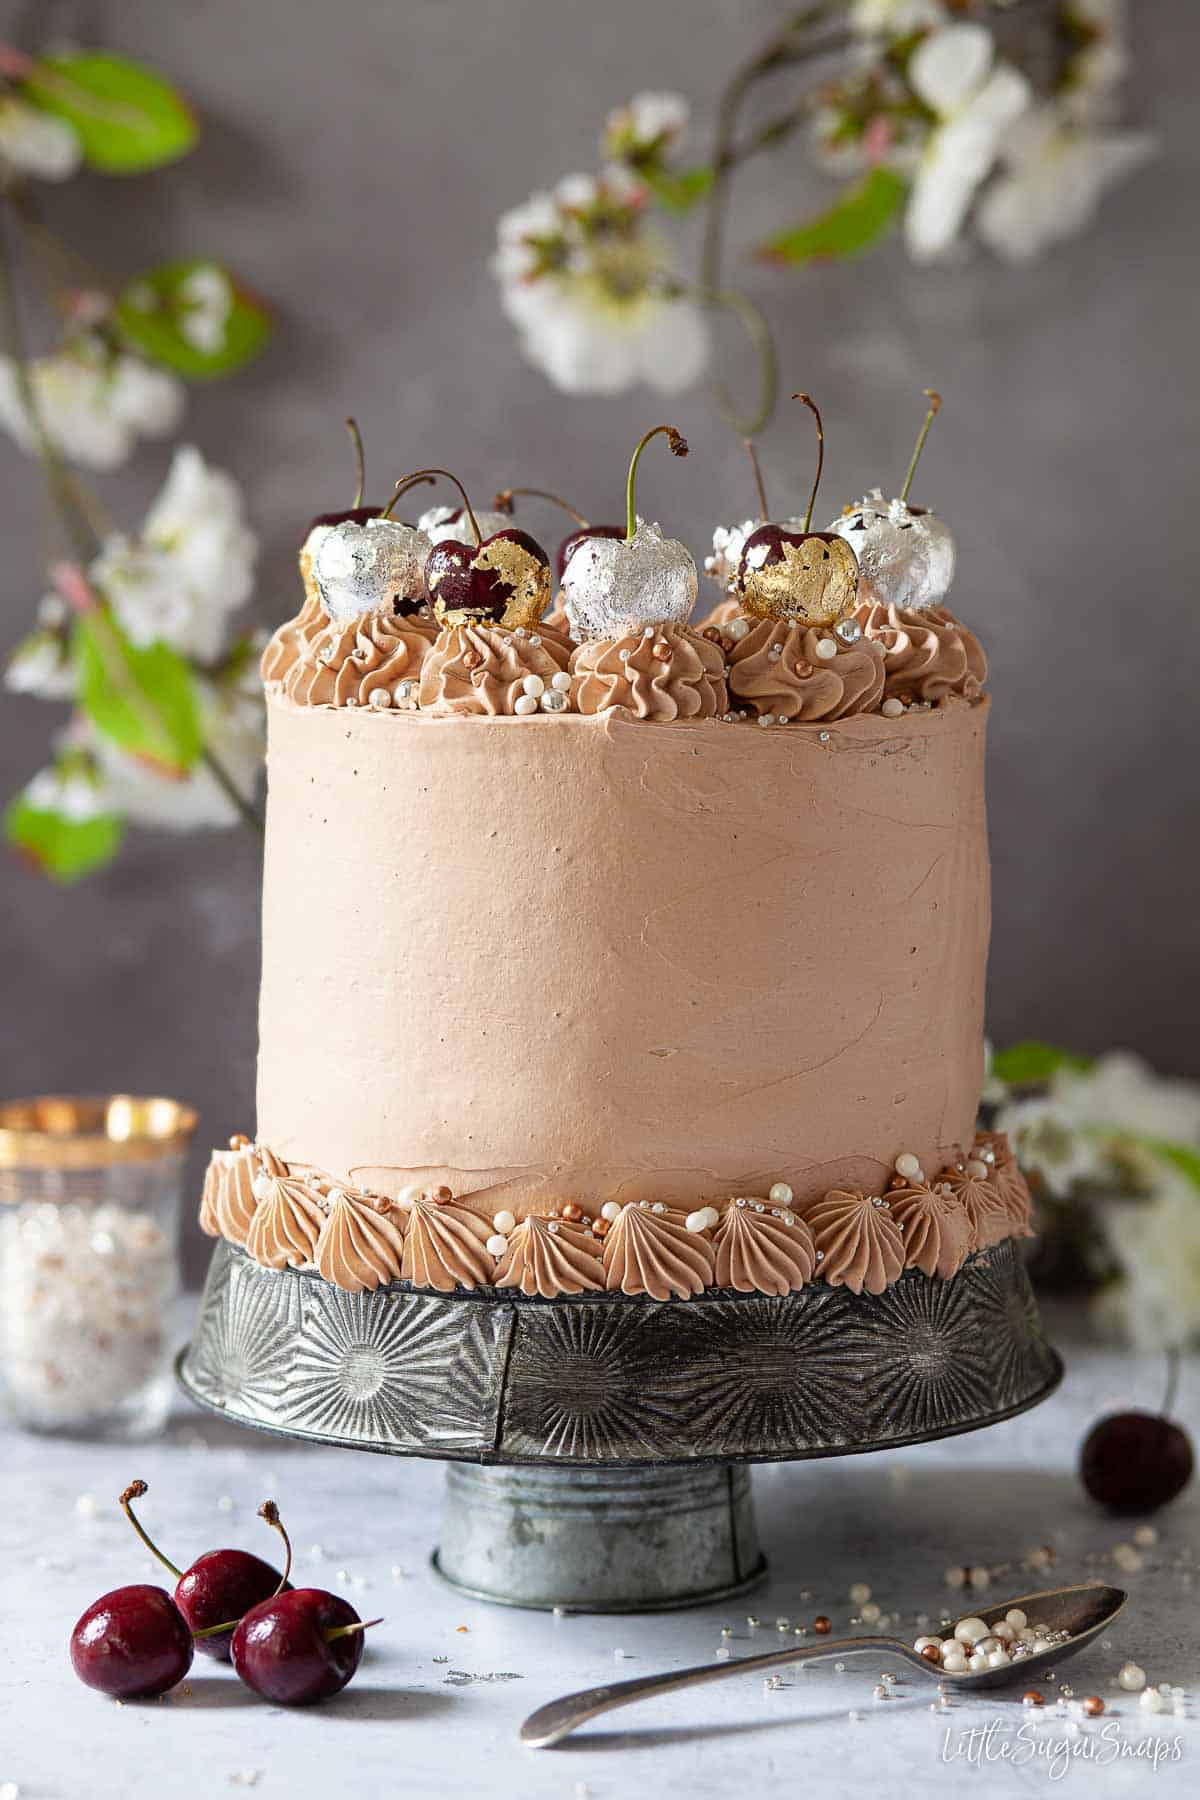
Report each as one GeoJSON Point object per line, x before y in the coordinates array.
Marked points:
{"type": "Point", "coordinates": [436, 1707]}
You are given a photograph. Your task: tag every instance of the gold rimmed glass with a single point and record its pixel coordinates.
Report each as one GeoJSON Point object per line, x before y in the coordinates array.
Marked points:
{"type": "Point", "coordinates": [89, 1260]}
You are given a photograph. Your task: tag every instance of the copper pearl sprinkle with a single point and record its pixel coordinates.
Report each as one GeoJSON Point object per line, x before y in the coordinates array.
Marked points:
{"type": "Point", "coordinates": [822, 1625]}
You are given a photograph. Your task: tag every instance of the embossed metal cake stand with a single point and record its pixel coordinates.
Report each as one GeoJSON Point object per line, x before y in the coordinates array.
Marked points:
{"type": "Point", "coordinates": [599, 1445]}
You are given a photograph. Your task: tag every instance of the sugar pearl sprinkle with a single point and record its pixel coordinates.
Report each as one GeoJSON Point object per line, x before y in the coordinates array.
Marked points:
{"type": "Point", "coordinates": [974, 1645]}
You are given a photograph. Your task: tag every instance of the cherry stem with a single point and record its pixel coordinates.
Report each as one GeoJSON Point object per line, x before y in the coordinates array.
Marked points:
{"type": "Point", "coordinates": [270, 1512]}
{"type": "Point", "coordinates": [407, 481]}
{"type": "Point", "coordinates": [134, 1491]}
{"type": "Point", "coordinates": [935, 407]}
{"type": "Point", "coordinates": [504, 499]}
{"type": "Point", "coordinates": [1168, 1400]}
{"type": "Point", "coordinates": [360, 460]}
{"type": "Point", "coordinates": [338, 1631]}
{"type": "Point", "coordinates": [678, 446]}
{"type": "Point", "coordinates": [815, 411]}
{"type": "Point", "coordinates": [752, 453]}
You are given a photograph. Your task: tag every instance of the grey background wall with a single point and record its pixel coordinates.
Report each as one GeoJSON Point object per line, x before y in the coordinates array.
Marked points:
{"type": "Point", "coordinates": [353, 163]}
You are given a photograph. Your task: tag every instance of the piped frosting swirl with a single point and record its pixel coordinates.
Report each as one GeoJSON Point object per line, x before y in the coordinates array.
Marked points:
{"type": "Point", "coordinates": [361, 1244]}
{"type": "Point", "coordinates": [981, 1199]}
{"type": "Point", "coordinates": [758, 1253]}
{"type": "Point", "coordinates": [293, 638]}
{"type": "Point", "coordinates": [444, 1247]}
{"type": "Point", "coordinates": [926, 655]}
{"type": "Point", "coordinates": [347, 661]}
{"type": "Point", "coordinates": [780, 668]}
{"type": "Point", "coordinates": [935, 1227]}
{"type": "Point", "coordinates": [859, 1245]}
{"type": "Point", "coordinates": [286, 1224]}
{"type": "Point", "coordinates": [549, 1257]}
{"type": "Point", "coordinates": [672, 673]}
{"type": "Point", "coordinates": [648, 1252]}
{"type": "Point", "coordinates": [1011, 1186]}
{"type": "Point", "coordinates": [474, 669]}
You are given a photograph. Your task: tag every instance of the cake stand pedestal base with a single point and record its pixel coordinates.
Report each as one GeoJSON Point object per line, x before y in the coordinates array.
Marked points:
{"type": "Point", "coordinates": [599, 1540]}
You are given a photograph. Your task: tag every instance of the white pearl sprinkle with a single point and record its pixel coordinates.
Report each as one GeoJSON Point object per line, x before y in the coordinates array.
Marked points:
{"type": "Point", "coordinates": [380, 698]}
{"type": "Point", "coordinates": [977, 1169]}
{"type": "Point", "coordinates": [737, 629]}
{"type": "Point", "coordinates": [892, 708]}
{"type": "Point", "coordinates": [658, 1207]}
{"type": "Point", "coordinates": [871, 1612]}
{"type": "Point", "coordinates": [1132, 1677]}
{"type": "Point", "coordinates": [767, 719]}
{"type": "Point", "coordinates": [970, 1630]}
{"type": "Point", "coordinates": [504, 1222]}
{"type": "Point", "coordinates": [561, 681]}
{"type": "Point", "coordinates": [907, 1165]}
{"type": "Point", "coordinates": [524, 705]}
{"type": "Point", "coordinates": [780, 1194]}
{"type": "Point", "coordinates": [697, 1221]}
{"type": "Point", "coordinates": [610, 1211]}
{"type": "Point", "coordinates": [647, 631]}
{"type": "Point", "coordinates": [826, 649]}
{"type": "Point", "coordinates": [533, 684]}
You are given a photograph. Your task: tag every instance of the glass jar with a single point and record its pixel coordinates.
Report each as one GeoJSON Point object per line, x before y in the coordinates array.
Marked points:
{"type": "Point", "coordinates": [89, 1260]}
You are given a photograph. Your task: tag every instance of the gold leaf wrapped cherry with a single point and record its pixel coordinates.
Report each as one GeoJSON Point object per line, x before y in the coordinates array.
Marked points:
{"type": "Point", "coordinates": [503, 579]}
{"type": "Point", "coordinates": [808, 577]}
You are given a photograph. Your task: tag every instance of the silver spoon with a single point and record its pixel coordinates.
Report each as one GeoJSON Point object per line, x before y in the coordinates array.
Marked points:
{"type": "Point", "coordinates": [1083, 1612]}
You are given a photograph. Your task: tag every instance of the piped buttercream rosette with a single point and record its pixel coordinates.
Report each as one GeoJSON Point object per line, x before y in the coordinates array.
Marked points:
{"type": "Point", "coordinates": [360, 1246]}
{"type": "Point", "coordinates": [927, 654]}
{"type": "Point", "coordinates": [762, 1252]}
{"type": "Point", "coordinates": [445, 1246]}
{"type": "Point", "coordinates": [660, 672]}
{"type": "Point", "coordinates": [649, 1250]}
{"type": "Point", "coordinates": [551, 1257]}
{"type": "Point", "coordinates": [360, 661]}
{"type": "Point", "coordinates": [936, 1228]}
{"type": "Point", "coordinates": [1013, 1190]}
{"type": "Point", "coordinates": [790, 671]}
{"type": "Point", "coordinates": [859, 1244]}
{"type": "Point", "coordinates": [293, 639]}
{"type": "Point", "coordinates": [487, 669]}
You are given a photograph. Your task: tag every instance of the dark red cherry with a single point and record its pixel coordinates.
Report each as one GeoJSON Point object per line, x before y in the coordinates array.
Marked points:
{"type": "Point", "coordinates": [221, 1585]}
{"type": "Point", "coordinates": [503, 580]}
{"type": "Point", "coordinates": [299, 1647]}
{"type": "Point", "coordinates": [1135, 1462]}
{"type": "Point", "coordinates": [133, 1643]}
{"type": "Point", "coordinates": [572, 542]}
{"type": "Point", "coordinates": [808, 577]}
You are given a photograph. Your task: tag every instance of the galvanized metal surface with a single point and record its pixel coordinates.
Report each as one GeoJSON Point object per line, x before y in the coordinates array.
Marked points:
{"type": "Point", "coordinates": [606, 1380]}
{"type": "Point", "coordinates": [604, 1540]}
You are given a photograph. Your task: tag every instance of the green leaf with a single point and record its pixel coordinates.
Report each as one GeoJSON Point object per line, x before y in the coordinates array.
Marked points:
{"type": "Point", "coordinates": [852, 224]}
{"type": "Point", "coordinates": [1184, 1157]}
{"type": "Point", "coordinates": [678, 191]}
{"type": "Point", "coordinates": [64, 848]}
{"type": "Point", "coordinates": [168, 314]}
{"type": "Point", "coordinates": [143, 699]}
{"type": "Point", "coordinates": [1032, 1061]}
{"type": "Point", "coordinates": [127, 117]}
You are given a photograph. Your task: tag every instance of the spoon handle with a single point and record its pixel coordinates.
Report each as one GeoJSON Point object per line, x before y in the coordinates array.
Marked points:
{"type": "Point", "coordinates": [559, 1718]}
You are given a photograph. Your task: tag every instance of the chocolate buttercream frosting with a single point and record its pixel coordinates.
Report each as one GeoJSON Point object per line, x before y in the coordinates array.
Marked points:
{"type": "Point", "coordinates": [859, 1244]}
{"type": "Point", "coordinates": [673, 673]}
{"type": "Point", "coordinates": [361, 1243]}
{"type": "Point", "coordinates": [549, 1257]}
{"type": "Point", "coordinates": [481, 669]}
{"type": "Point", "coordinates": [926, 655]}
{"type": "Point", "coordinates": [759, 1253]}
{"type": "Point", "coordinates": [289, 643]}
{"type": "Point", "coordinates": [648, 1252]}
{"type": "Point", "coordinates": [346, 662]}
{"type": "Point", "coordinates": [786, 670]}
{"type": "Point", "coordinates": [286, 1224]}
{"type": "Point", "coordinates": [444, 1247]}
{"type": "Point", "coordinates": [1011, 1185]}
{"type": "Point", "coordinates": [983, 1203]}
{"type": "Point", "coordinates": [937, 1232]}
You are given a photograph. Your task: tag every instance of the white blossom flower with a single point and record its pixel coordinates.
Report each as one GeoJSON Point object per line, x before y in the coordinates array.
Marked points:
{"type": "Point", "coordinates": [207, 297]}
{"type": "Point", "coordinates": [895, 18]}
{"type": "Point", "coordinates": [33, 142]}
{"type": "Point", "coordinates": [72, 792]}
{"type": "Point", "coordinates": [41, 665]}
{"type": "Point", "coordinates": [976, 102]}
{"type": "Point", "coordinates": [647, 129]}
{"type": "Point", "coordinates": [191, 567]}
{"type": "Point", "coordinates": [93, 403]}
{"type": "Point", "coordinates": [1155, 1243]}
{"type": "Point", "coordinates": [1055, 175]}
{"type": "Point", "coordinates": [590, 291]}
{"type": "Point", "coordinates": [231, 719]}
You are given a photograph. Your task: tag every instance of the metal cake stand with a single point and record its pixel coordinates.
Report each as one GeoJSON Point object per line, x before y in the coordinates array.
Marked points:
{"type": "Point", "coordinates": [633, 1419]}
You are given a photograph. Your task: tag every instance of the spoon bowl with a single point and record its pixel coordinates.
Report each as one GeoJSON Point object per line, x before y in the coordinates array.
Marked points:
{"type": "Point", "coordinates": [1082, 1612]}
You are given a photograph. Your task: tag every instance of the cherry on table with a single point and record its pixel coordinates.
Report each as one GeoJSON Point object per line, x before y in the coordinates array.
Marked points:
{"type": "Point", "coordinates": [132, 1643]}
{"type": "Point", "coordinates": [222, 1585]}
{"type": "Point", "coordinates": [300, 1646]}
{"type": "Point", "coordinates": [1135, 1462]}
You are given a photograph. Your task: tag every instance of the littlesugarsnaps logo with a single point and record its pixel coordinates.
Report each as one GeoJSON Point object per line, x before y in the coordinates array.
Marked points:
{"type": "Point", "coordinates": [1058, 1746]}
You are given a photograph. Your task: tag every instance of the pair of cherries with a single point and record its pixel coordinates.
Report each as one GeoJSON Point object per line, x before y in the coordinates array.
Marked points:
{"type": "Point", "coordinates": [291, 1645]}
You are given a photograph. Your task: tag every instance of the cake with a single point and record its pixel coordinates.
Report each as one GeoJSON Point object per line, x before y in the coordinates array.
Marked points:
{"type": "Point", "coordinates": [621, 953]}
